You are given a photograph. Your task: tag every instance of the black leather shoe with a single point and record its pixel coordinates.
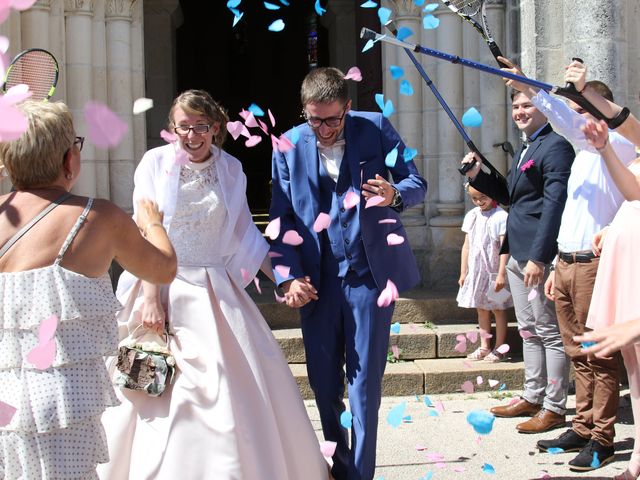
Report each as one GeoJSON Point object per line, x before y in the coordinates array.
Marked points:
{"type": "Point", "coordinates": [569, 441]}
{"type": "Point", "coordinates": [593, 455]}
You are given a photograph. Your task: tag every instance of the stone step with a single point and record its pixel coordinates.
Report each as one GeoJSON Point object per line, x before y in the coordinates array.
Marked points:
{"type": "Point", "coordinates": [443, 375]}
{"type": "Point", "coordinates": [418, 306]}
{"type": "Point", "coordinates": [413, 341]}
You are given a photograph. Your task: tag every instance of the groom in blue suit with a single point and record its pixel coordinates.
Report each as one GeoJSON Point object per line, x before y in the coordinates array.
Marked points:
{"type": "Point", "coordinates": [337, 273]}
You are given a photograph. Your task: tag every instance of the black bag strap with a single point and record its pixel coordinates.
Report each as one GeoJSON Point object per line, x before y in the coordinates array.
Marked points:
{"type": "Point", "coordinates": [20, 233]}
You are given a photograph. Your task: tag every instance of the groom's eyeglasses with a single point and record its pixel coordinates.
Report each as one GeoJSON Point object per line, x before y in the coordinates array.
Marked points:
{"type": "Point", "coordinates": [331, 122]}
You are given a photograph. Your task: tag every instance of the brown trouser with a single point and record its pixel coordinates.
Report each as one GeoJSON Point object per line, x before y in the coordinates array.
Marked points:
{"type": "Point", "coordinates": [597, 379]}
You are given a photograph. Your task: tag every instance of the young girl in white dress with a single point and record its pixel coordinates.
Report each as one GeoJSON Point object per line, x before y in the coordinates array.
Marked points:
{"type": "Point", "coordinates": [481, 262]}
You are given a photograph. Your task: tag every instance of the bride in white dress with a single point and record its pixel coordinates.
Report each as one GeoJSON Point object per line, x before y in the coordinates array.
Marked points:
{"type": "Point", "coordinates": [234, 410]}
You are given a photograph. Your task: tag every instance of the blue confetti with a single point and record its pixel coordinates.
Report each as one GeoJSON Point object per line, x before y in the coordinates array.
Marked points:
{"type": "Point", "coordinates": [419, 3]}
{"type": "Point", "coordinates": [502, 387]}
{"type": "Point", "coordinates": [319, 9]}
{"type": "Point", "coordinates": [233, 3]}
{"type": "Point", "coordinates": [237, 18]}
{"type": "Point", "coordinates": [406, 88]}
{"type": "Point", "coordinates": [396, 72]}
{"type": "Point", "coordinates": [427, 401]}
{"type": "Point", "coordinates": [595, 463]}
{"type": "Point", "coordinates": [346, 419]}
{"type": "Point", "coordinates": [369, 4]}
{"type": "Point", "coordinates": [409, 154]}
{"type": "Point", "coordinates": [481, 421]}
{"type": "Point", "coordinates": [384, 14]}
{"type": "Point", "coordinates": [472, 118]}
{"type": "Point", "coordinates": [428, 476]}
{"type": "Point", "coordinates": [555, 450]}
{"type": "Point", "coordinates": [236, 12]}
{"type": "Point", "coordinates": [433, 413]}
{"type": "Point", "coordinates": [587, 344]}
{"type": "Point", "coordinates": [395, 327]}
{"type": "Point", "coordinates": [256, 110]}
{"type": "Point", "coordinates": [404, 32]}
{"type": "Point", "coordinates": [271, 6]}
{"type": "Point", "coordinates": [295, 135]}
{"type": "Point", "coordinates": [488, 468]}
{"type": "Point", "coordinates": [277, 26]}
{"type": "Point", "coordinates": [368, 45]}
{"type": "Point", "coordinates": [430, 22]}
{"type": "Point", "coordinates": [392, 157]}
{"type": "Point", "coordinates": [284, 2]}
{"type": "Point", "coordinates": [430, 7]}
{"type": "Point", "coordinates": [394, 417]}
{"type": "Point", "coordinates": [407, 419]}
{"type": "Point", "coordinates": [386, 107]}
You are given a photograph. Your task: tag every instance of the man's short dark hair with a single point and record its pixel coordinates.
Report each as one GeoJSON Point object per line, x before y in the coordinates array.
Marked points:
{"type": "Point", "coordinates": [324, 85]}
{"type": "Point", "coordinates": [601, 88]}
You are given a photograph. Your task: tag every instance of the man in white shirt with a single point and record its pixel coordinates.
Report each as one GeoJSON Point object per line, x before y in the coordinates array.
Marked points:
{"type": "Point", "coordinates": [592, 202]}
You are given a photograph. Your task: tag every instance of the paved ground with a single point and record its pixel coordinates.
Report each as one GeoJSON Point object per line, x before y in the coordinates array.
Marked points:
{"type": "Point", "coordinates": [512, 455]}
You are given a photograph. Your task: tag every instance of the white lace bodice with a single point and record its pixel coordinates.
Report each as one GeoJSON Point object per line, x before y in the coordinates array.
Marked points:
{"type": "Point", "coordinates": [200, 213]}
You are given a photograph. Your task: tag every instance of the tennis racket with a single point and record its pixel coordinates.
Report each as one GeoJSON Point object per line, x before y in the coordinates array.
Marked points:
{"type": "Point", "coordinates": [36, 68]}
{"type": "Point", "coordinates": [473, 11]}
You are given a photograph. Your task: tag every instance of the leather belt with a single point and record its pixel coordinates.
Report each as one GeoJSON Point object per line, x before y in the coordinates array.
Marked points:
{"type": "Point", "coordinates": [576, 257]}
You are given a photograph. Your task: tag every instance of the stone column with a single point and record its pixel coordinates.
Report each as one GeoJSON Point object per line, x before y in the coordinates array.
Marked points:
{"type": "Point", "coordinates": [340, 20]}
{"type": "Point", "coordinates": [78, 35]}
{"type": "Point", "coordinates": [138, 80]}
{"type": "Point", "coordinates": [99, 75]}
{"type": "Point", "coordinates": [35, 25]}
{"type": "Point", "coordinates": [119, 92]}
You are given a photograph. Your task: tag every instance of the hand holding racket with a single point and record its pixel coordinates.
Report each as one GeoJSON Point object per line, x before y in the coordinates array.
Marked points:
{"type": "Point", "coordinates": [36, 68]}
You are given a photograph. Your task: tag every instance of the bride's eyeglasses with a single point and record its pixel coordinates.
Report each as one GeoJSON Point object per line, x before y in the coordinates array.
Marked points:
{"type": "Point", "coordinates": [200, 129]}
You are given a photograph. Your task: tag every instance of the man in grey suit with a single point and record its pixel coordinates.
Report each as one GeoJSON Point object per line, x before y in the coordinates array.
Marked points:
{"type": "Point", "coordinates": [536, 193]}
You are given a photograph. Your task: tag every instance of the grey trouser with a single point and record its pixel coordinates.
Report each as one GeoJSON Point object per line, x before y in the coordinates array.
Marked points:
{"type": "Point", "coordinates": [546, 366]}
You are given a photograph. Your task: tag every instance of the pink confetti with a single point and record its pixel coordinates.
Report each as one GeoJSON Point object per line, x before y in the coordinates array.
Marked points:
{"type": "Point", "coordinates": [105, 128]}
{"type": "Point", "coordinates": [273, 228]}
{"type": "Point", "coordinates": [22, 4]}
{"type": "Point", "coordinates": [256, 282]}
{"type": "Point", "coordinates": [279, 299]}
{"type": "Point", "coordinates": [168, 136]}
{"type": "Point", "coordinates": [467, 387]}
{"type": "Point", "coordinates": [514, 400]}
{"type": "Point", "coordinates": [235, 129]}
{"type": "Point", "coordinates": [271, 118]}
{"type": "Point", "coordinates": [532, 294]}
{"type": "Point", "coordinates": [48, 328]}
{"type": "Point", "coordinates": [373, 201]}
{"type": "Point", "coordinates": [485, 335]}
{"type": "Point", "coordinates": [439, 406]}
{"type": "Point", "coordinates": [525, 334]}
{"type": "Point", "coordinates": [504, 348]}
{"type": "Point", "coordinates": [274, 255]}
{"type": "Point", "coordinates": [435, 457]}
{"type": "Point", "coordinates": [291, 237]}
{"type": "Point", "coordinates": [253, 140]}
{"type": "Point", "coordinates": [466, 363]}
{"type": "Point", "coordinates": [282, 270]}
{"type": "Point", "coordinates": [250, 120]}
{"type": "Point", "coordinates": [387, 220]}
{"type": "Point", "coordinates": [354, 74]}
{"type": "Point", "coordinates": [328, 448]}
{"type": "Point", "coordinates": [458, 469]}
{"type": "Point", "coordinates": [553, 381]}
{"type": "Point", "coordinates": [394, 239]}
{"type": "Point", "coordinates": [284, 144]}
{"type": "Point", "coordinates": [388, 295]}
{"type": "Point", "coordinates": [441, 465]}
{"type": "Point", "coordinates": [395, 351]}
{"type": "Point", "coordinates": [421, 448]}
{"type": "Point", "coordinates": [472, 336]}
{"type": "Point", "coordinates": [13, 123]}
{"type": "Point", "coordinates": [479, 380]}
{"type": "Point", "coordinates": [351, 199]}
{"type": "Point", "coordinates": [244, 114]}
{"type": "Point", "coordinates": [245, 275]}
{"type": "Point", "coordinates": [493, 383]}
{"type": "Point", "coordinates": [6, 413]}
{"type": "Point", "coordinates": [182, 158]}
{"type": "Point", "coordinates": [461, 346]}
{"type": "Point", "coordinates": [322, 221]}
{"type": "Point", "coordinates": [43, 354]}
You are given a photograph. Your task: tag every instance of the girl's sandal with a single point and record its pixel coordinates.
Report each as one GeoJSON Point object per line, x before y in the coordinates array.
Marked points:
{"type": "Point", "coordinates": [479, 354]}
{"type": "Point", "coordinates": [494, 357]}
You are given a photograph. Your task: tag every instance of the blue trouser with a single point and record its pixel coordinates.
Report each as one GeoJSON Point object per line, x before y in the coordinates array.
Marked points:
{"type": "Point", "coordinates": [346, 324]}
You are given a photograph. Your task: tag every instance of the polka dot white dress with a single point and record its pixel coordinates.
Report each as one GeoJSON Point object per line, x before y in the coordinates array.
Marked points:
{"type": "Point", "coordinates": [56, 431]}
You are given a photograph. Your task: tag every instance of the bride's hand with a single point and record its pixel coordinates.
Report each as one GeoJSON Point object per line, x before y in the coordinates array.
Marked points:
{"type": "Point", "coordinates": [153, 316]}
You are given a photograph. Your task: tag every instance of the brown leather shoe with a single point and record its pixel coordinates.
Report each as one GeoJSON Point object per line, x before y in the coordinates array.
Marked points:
{"type": "Point", "coordinates": [521, 408]}
{"type": "Point", "coordinates": [543, 421]}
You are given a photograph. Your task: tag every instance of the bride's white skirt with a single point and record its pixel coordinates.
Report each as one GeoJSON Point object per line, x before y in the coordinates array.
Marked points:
{"type": "Point", "coordinates": [234, 411]}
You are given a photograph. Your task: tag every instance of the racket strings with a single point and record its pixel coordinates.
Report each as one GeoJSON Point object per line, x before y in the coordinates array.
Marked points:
{"type": "Point", "coordinates": [466, 7]}
{"type": "Point", "coordinates": [36, 69]}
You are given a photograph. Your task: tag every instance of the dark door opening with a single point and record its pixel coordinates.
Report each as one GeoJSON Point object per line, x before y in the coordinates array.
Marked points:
{"type": "Point", "coordinates": [249, 64]}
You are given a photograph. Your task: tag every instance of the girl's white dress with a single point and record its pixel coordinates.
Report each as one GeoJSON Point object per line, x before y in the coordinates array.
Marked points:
{"type": "Point", "coordinates": [484, 230]}
{"type": "Point", "coordinates": [234, 411]}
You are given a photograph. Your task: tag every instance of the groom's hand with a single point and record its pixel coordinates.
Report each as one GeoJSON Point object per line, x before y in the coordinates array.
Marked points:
{"type": "Point", "coordinates": [299, 292]}
{"type": "Point", "coordinates": [378, 187]}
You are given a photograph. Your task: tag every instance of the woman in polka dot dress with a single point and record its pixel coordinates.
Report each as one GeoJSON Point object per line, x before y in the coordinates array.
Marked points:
{"type": "Point", "coordinates": [57, 308]}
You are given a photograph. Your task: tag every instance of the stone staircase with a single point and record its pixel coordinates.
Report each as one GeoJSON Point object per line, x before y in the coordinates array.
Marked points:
{"type": "Point", "coordinates": [427, 362]}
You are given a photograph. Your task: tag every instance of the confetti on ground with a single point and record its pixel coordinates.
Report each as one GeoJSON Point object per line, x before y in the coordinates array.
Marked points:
{"type": "Point", "coordinates": [481, 421]}
{"type": "Point", "coordinates": [472, 336]}
{"type": "Point", "coordinates": [595, 463]}
{"type": "Point", "coordinates": [555, 450]}
{"type": "Point", "coordinates": [395, 327]}
{"type": "Point", "coordinates": [488, 468]}
{"type": "Point", "coordinates": [396, 414]}
{"type": "Point", "coordinates": [467, 387]}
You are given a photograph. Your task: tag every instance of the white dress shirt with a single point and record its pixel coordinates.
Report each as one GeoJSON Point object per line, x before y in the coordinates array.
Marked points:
{"type": "Point", "coordinates": [331, 157]}
{"type": "Point", "coordinates": [592, 196]}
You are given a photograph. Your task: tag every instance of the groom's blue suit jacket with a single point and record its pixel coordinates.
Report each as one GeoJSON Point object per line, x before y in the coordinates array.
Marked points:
{"type": "Point", "coordinates": [369, 137]}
